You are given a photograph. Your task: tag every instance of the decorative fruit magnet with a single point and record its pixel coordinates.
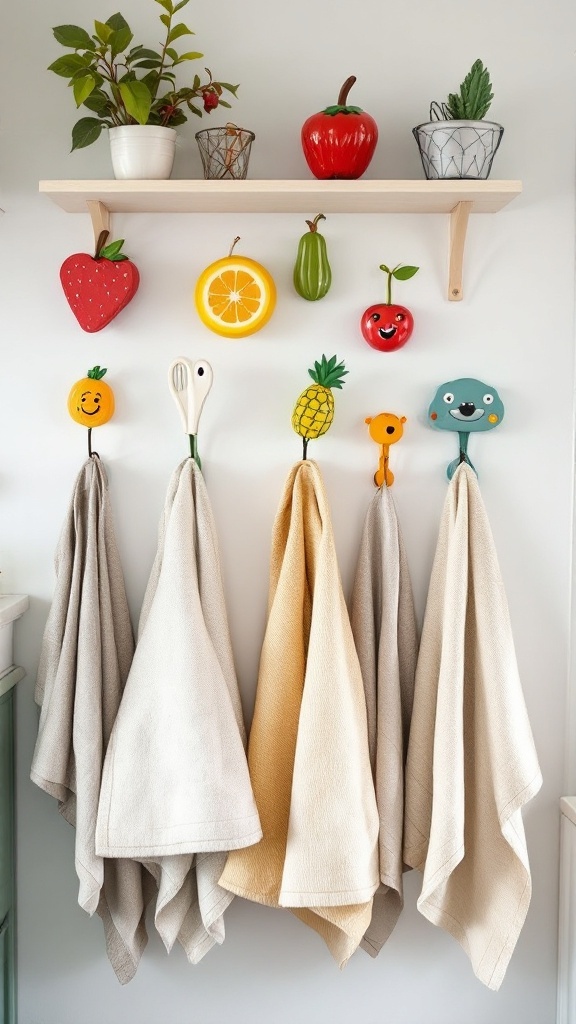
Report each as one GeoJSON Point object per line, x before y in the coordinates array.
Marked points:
{"type": "Point", "coordinates": [235, 296]}
{"type": "Point", "coordinates": [314, 410]}
{"type": "Point", "coordinates": [312, 273]}
{"type": "Point", "coordinates": [91, 402]}
{"type": "Point", "coordinates": [98, 287]}
{"type": "Point", "coordinates": [387, 326]}
{"type": "Point", "coordinates": [339, 142]}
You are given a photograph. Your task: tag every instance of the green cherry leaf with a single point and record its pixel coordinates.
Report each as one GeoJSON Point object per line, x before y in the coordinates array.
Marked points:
{"type": "Point", "coordinates": [82, 88]}
{"type": "Point", "coordinates": [404, 273]}
{"type": "Point", "coordinates": [137, 100]}
{"type": "Point", "coordinates": [74, 37]}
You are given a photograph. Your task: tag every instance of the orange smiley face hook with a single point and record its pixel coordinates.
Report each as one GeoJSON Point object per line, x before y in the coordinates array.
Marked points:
{"type": "Point", "coordinates": [385, 429]}
{"type": "Point", "coordinates": [91, 401]}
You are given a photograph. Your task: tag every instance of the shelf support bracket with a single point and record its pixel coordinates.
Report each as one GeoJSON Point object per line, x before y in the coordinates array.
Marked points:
{"type": "Point", "coordinates": [100, 216]}
{"type": "Point", "coordinates": [458, 226]}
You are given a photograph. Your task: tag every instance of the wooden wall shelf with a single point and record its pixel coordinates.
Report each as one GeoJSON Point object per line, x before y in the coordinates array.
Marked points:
{"type": "Point", "coordinates": [458, 198]}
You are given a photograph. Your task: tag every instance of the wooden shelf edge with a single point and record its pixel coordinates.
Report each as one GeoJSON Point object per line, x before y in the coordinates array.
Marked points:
{"type": "Point", "coordinates": [274, 196]}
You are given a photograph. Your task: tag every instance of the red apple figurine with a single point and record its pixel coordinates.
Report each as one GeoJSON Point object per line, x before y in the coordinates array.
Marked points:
{"type": "Point", "coordinates": [388, 326]}
{"type": "Point", "coordinates": [339, 142]}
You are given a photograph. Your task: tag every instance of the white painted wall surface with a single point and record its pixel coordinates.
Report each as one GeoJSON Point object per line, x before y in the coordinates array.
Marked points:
{"type": "Point", "coordinates": [514, 329]}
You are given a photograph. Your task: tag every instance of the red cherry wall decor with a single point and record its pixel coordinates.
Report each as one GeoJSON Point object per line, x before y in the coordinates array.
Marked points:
{"type": "Point", "coordinates": [98, 287]}
{"type": "Point", "coordinates": [387, 326]}
{"type": "Point", "coordinates": [339, 142]}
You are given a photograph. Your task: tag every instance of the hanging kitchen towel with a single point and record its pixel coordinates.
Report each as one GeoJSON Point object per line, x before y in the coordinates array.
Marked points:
{"type": "Point", "coordinates": [384, 629]}
{"type": "Point", "coordinates": [86, 654]}
{"type": "Point", "coordinates": [471, 763]}
{"type": "Point", "coordinates": [176, 793]}
{"type": "Point", "coordinates": [308, 750]}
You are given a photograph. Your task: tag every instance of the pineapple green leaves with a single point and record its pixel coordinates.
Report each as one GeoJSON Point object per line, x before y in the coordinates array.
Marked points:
{"type": "Point", "coordinates": [475, 97]}
{"type": "Point", "coordinates": [131, 86]}
{"type": "Point", "coordinates": [328, 373]}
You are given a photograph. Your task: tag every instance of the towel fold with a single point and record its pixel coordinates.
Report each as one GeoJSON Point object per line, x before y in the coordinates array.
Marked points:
{"type": "Point", "coordinates": [86, 654]}
{"type": "Point", "coordinates": [176, 793]}
{"type": "Point", "coordinates": [471, 763]}
{"type": "Point", "coordinates": [384, 629]}
{"type": "Point", "coordinates": [308, 750]}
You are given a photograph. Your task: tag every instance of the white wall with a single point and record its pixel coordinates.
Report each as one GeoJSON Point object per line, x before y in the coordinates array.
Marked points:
{"type": "Point", "coordinates": [514, 329]}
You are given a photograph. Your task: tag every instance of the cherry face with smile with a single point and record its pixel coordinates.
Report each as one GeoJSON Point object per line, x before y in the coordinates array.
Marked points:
{"type": "Point", "coordinates": [387, 327]}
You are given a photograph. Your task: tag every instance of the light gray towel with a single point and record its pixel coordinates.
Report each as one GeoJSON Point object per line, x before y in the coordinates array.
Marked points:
{"type": "Point", "coordinates": [86, 654]}
{"type": "Point", "coordinates": [176, 793]}
{"type": "Point", "coordinates": [471, 763]}
{"type": "Point", "coordinates": [384, 628]}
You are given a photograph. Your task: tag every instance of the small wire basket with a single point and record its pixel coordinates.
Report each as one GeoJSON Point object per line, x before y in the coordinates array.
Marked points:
{"type": "Point", "coordinates": [225, 151]}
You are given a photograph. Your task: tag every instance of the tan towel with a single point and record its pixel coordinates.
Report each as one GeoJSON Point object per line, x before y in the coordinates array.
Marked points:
{"type": "Point", "coordinates": [384, 628]}
{"type": "Point", "coordinates": [308, 750]}
{"type": "Point", "coordinates": [86, 653]}
{"type": "Point", "coordinates": [471, 758]}
{"type": "Point", "coordinates": [176, 793]}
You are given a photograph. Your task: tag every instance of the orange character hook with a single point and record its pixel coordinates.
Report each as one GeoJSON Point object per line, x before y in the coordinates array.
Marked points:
{"type": "Point", "coordinates": [385, 429]}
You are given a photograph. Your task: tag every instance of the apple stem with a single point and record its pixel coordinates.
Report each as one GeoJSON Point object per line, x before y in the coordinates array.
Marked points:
{"type": "Point", "coordinates": [343, 94]}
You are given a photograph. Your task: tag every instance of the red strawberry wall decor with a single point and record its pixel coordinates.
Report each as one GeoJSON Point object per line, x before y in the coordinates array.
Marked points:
{"type": "Point", "coordinates": [98, 287]}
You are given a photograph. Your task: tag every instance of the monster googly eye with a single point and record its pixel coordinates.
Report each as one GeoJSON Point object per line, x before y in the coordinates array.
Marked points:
{"type": "Point", "coordinates": [448, 398]}
{"type": "Point", "coordinates": [488, 399]}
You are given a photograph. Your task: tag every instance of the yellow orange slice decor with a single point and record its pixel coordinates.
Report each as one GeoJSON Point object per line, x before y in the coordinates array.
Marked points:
{"type": "Point", "coordinates": [235, 296]}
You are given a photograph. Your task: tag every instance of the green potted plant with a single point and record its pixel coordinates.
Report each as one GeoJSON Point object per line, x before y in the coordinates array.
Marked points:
{"type": "Point", "coordinates": [131, 90]}
{"type": "Point", "coordinates": [457, 141]}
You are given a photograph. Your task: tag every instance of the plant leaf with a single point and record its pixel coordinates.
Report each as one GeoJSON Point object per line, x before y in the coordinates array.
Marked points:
{"type": "Point", "coordinates": [74, 37]}
{"type": "Point", "coordinates": [166, 4]}
{"type": "Point", "coordinates": [85, 132]}
{"type": "Point", "coordinates": [102, 31]}
{"type": "Point", "coordinates": [117, 22]}
{"type": "Point", "coordinates": [230, 88]}
{"type": "Point", "coordinates": [99, 102]}
{"type": "Point", "coordinates": [179, 30]}
{"type": "Point", "coordinates": [164, 18]}
{"type": "Point", "coordinates": [67, 65]}
{"type": "Point", "coordinates": [119, 40]}
{"type": "Point", "coordinates": [194, 109]}
{"type": "Point", "coordinates": [137, 100]}
{"type": "Point", "coordinates": [156, 63]}
{"type": "Point", "coordinates": [223, 103]}
{"type": "Point", "coordinates": [82, 88]}
{"type": "Point", "coordinates": [404, 273]}
{"type": "Point", "coordinates": [142, 53]}
{"type": "Point", "coordinates": [192, 55]}
{"type": "Point", "coordinates": [179, 6]}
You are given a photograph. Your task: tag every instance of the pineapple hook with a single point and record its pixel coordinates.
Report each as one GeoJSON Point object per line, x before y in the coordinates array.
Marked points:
{"type": "Point", "coordinates": [385, 429]}
{"type": "Point", "coordinates": [314, 410]}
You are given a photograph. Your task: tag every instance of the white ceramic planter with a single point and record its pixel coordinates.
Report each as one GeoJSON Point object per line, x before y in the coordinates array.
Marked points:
{"type": "Point", "coordinates": [142, 151]}
{"type": "Point", "coordinates": [458, 149]}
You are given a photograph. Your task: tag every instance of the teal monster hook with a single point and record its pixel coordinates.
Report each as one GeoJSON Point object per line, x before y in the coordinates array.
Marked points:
{"type": "Point", "coordinates": [465, 405]}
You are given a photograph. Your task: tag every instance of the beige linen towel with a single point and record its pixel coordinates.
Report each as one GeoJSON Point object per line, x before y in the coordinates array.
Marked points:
{"type": "Point", "coordinates": [308, 750]}
{"type": "Point", "coordinates": [176, 793]}
{"type": "Point", "coordinates": [86, 653]}
{"type": "Point", "coordinates": [384, 629]}
{"type": "Point", "coordinates": [471, 758]}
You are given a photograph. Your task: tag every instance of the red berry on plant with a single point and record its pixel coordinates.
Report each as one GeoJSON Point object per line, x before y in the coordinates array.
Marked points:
{"type": "Point", "coordinates": [210, 98]}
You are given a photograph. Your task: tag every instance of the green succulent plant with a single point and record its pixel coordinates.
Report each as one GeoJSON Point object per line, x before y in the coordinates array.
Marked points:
{"type": "Point", "coordinates": [472, 102]}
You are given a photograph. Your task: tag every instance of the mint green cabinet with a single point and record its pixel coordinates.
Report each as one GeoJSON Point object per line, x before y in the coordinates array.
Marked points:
{"type": "Point", "coordinates": [7, 892]}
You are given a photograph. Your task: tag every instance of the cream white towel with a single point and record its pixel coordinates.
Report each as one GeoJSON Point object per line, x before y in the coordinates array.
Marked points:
{"type": "Point", "coordinates": [86, 654]}
{"type": "Point", "coordinates": [471, 764]}
{"type": "Point", "coordinates": [176, 792]}
{"type": "Point", "coordinates": [384, 628]}
{"type": "Point", "coordinates": [308, 750]}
